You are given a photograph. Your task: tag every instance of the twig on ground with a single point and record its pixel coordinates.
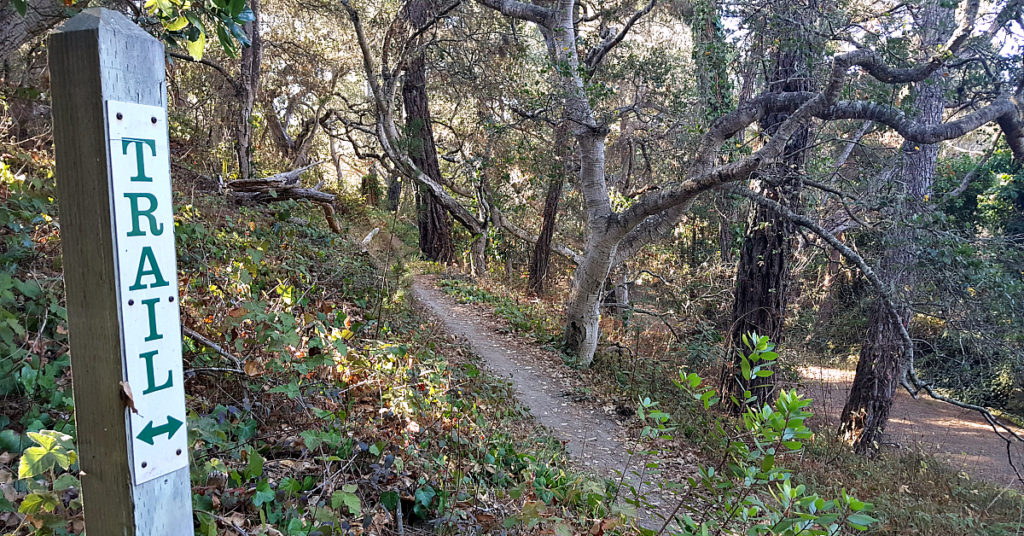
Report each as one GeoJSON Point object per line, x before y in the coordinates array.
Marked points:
{"type": "Point", "coordinates": [212, 345]}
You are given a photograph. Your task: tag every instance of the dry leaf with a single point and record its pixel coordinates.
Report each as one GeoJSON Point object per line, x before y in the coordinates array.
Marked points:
{"type": "Point", "coordinates": [126, 395]}
{"type": "Point", "coordinates": [251, 368]}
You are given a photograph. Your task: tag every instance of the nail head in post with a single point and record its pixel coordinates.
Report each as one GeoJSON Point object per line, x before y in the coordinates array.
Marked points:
{"type": "Point", "coordinates": [120, 115]}
{"type": "Point", "coordinates": [153, 120]}
{"type": "Point", "coordinates": [144, 464]}
{"type": "Point", "coordinates": [131, 302]}
{"type": "Point", "coordinates": [170, 298]}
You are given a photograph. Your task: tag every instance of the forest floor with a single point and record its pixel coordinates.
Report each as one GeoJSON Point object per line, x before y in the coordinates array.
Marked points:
{"type": "Point", "coordinates": [596, 436]}
{"type": "Point", "coordinates": [959, 437]}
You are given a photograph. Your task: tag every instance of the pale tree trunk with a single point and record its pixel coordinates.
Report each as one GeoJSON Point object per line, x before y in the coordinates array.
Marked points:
{"type": "Point", "coordinates": [16, 29]}
{"type": "Point", "coordinates": [583, 310]}
{"type": "Point", "coordinates": [583, 313]}
{"type": "Point", "coordinates": [478, 256]}
{"type": "Point", "coordinates": [246, 90]}
{"type": "Point", "coordinates": [881, 365]}
{"type": "Point", "coordinates": [435, 226]}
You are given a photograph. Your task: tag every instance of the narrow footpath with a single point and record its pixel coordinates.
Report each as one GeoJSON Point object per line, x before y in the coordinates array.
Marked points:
{"type": "Point", "coordinates": [591, 437]}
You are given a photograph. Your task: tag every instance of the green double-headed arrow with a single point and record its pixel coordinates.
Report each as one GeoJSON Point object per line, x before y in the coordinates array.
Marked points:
{"type": "Point", "coordinates": [150, 431]}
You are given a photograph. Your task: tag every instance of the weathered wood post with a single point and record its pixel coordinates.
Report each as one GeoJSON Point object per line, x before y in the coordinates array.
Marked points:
{"type": "Point", "coordinates": [117, 232]}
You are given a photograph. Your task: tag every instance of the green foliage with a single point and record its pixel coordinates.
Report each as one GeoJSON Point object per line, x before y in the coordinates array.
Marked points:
{"type": "Point", "coordinates": [750, 491]}
{"type": "Point", "coordinates": [46, 473]}
{"type": "Point", "coordinates": [190, 24]}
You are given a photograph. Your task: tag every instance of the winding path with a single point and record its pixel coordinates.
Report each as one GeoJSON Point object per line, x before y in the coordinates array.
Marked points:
{"type": "Point", "coordinates": [591, 437]}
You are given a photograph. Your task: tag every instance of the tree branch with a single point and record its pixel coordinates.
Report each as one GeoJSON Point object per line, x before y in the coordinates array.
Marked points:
{"type": "Point", "coordinates": [910, 381]}
{"type": "Point", "coordinates": [598, 53]}
{"type": "Point", "coordinates": [211, 64]}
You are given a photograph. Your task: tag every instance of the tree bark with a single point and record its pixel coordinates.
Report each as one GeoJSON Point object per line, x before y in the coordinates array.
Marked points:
{"type": "Point", "coordinates": [247, 88]}
{"type": "Point", "coordinates": [583, 312]}
{"type": "Point", "coordinates": [762, 275]}
{"type": "Point", "coordinates": [541, 258]}
{"type": "Point", "coordinates": [435, 225]}
{"type": "Point", "coordinates": [394, 196]}
{"type": "Point", "coordinates": [881, 365]}
{"type": "Point", "coordinates": [16, 29]}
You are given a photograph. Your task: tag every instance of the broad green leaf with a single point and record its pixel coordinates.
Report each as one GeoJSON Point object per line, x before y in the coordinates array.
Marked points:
{"type": "Point", "coordinates": [35, 502]}
{"type": "Point", "coordinates": [347, 498]}
{"type": "Point", "coordinates": [255, 468]}
{"type": "Point", "coordinates": [196, 48]}
{"type": "Point", "coordinates": [264, 494]}
{"type": "Point", "coordinates": [176, 24]}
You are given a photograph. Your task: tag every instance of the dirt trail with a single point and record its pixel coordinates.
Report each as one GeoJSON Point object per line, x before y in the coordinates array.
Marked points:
{"type": "Point", "coordinates": [590, 435]}
{"type": "Point", "coordinates": [961, 438]}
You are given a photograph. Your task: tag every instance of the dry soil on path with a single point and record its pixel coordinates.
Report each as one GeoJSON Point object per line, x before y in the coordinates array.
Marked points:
{"type": "Point", "coordinates": [591, 436]}
{"type": "Point", "coordinates": [959, 437]}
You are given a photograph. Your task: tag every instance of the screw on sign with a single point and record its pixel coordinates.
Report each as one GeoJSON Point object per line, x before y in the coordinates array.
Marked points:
{"type": "Point", "coordinates": [114, 189]}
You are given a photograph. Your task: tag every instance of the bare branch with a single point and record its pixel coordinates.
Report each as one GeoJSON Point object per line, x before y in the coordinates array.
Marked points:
{"type": "Point", "coordinates": [211, 64]}
{"type": "Point", "coordinates": [598, 53]}
{"type": "Point", "coordinates": [523, 11]}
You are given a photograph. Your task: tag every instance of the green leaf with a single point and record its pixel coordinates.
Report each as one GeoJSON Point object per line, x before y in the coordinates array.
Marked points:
{"type": "Point", "coordinates": [21, 6]}
{"type": "Point", "coordinates": [390, 500]}
{"type": "Point", "coordinates": [54, 448]}
{"type": "Point", "coordinates": [66, 481]}
{"type": "Point", "coordinates": [35, 502]}
{"type": "Point", "coordinates": [235, 7]}
{"type": "Point", "coordinates": [425, 495]}
{"type": "Point", "coordinates": [176, 24]}
{"type": "Point", "coordinates": [264, 494]}
{"type": "Point", "coordinates": [195, 48]}
{"type": "Point", "coordinates": [255, 468]}
{"type": "Point", "coordinates": [348, 498]}
{"type": "Point", "coordinates": [860, 521]}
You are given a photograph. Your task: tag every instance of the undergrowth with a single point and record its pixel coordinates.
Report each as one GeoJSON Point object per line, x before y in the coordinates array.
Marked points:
{"type": "Point", "coordinates": [319, 402]}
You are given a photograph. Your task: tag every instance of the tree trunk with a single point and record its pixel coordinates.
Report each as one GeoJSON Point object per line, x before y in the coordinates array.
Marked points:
{"type": "Point", "coordinates": [541, 258]}
{"type": "Point", "coordinates": [762, 275]}
{"type": "Point", "coordinates": [875, 383]}
{"type": "Point", "coordinates": [394, 191]}
{"type": "Point", "coordinates": [583, 312]}
{"type": "Point", "coordinates": [435, 228]}
{"type": "Point", "coordinates": [881, 363]}
{"type": "Point", "coordinates": [435, 225]}
{"type": "Point", "coordinates": [478, 256]}
{"type": "Point", "coordinates": [248, 86]}
{"type": "Point", "coordinates": [16, 30]}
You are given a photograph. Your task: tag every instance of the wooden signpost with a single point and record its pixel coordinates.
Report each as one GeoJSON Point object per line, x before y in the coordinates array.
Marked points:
{"type": "Point", "coordinates": [117, 231]}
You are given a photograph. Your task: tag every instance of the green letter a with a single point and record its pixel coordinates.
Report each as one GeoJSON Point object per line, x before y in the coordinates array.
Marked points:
{"type": "Point", "coordinates": [153, 270]}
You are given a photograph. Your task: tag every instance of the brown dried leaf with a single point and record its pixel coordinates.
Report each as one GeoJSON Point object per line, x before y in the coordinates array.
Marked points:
{"type": "Point", "coordinates": [126, 395]}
